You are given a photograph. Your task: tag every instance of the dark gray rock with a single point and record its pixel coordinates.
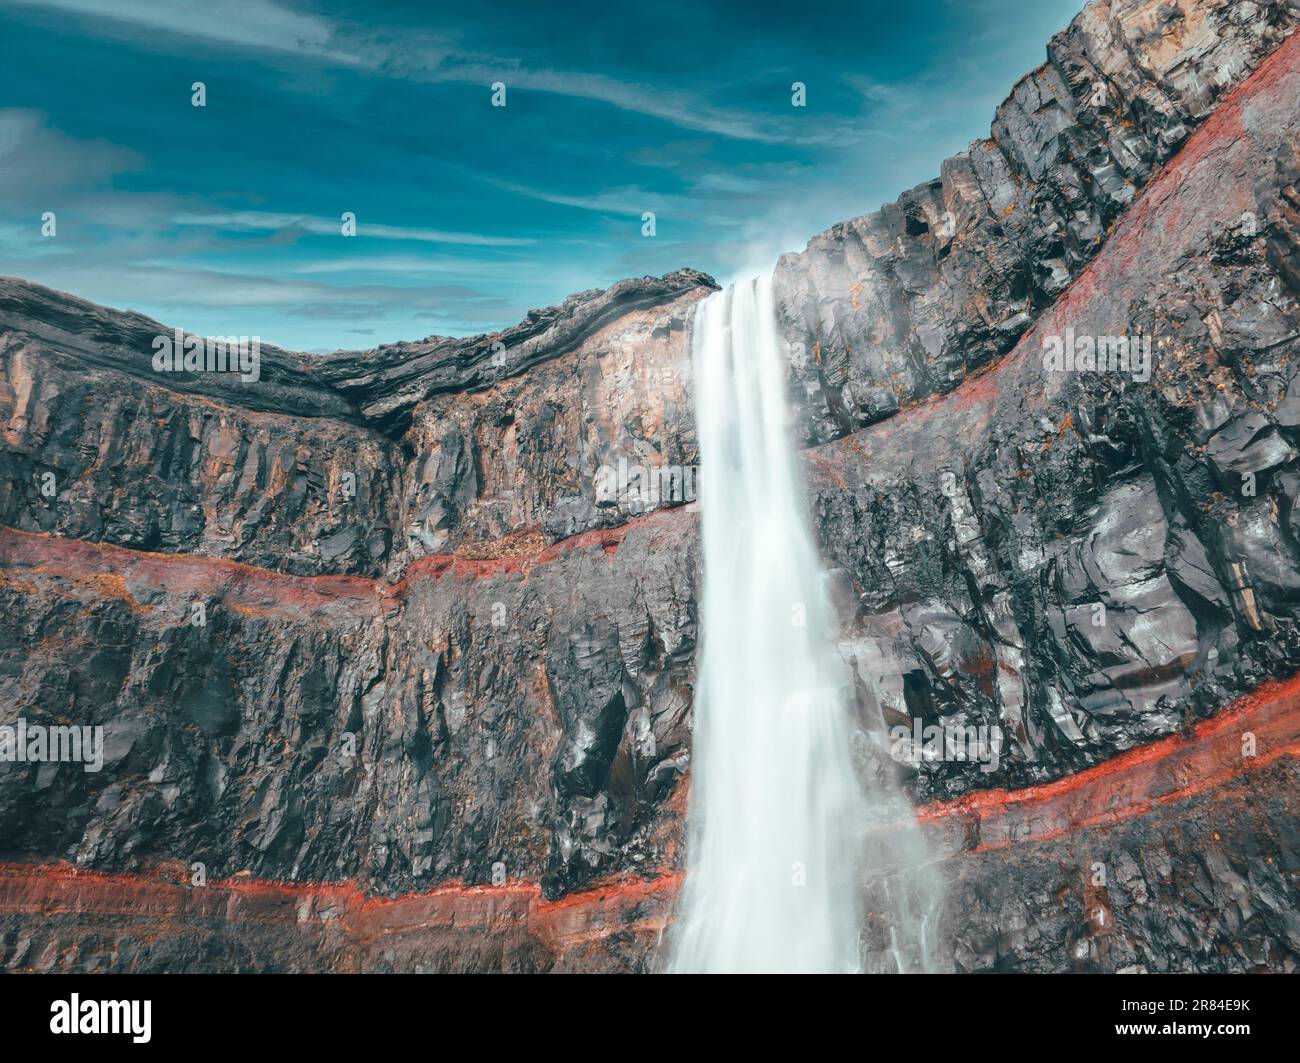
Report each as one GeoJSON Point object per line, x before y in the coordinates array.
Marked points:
{"type": "Point", "coordinates": [891, 307]}
{"type": "Point", "coordinates": [1086, 561]}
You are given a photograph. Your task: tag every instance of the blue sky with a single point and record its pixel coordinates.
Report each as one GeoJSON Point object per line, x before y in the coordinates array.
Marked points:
{"type": "Point", "coordinates": [226, 219]}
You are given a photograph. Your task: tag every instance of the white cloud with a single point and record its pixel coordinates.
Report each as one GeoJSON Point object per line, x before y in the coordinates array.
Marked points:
{"type": "Point", "coordinates": [37, 160]}
{"type": "Point", "coordinates": [270, 26]}
{"type": "Point", "coordinates": [270, 221]}
{"type": "Point", "coordinates": [631, 201]}
{"type": "Point", "coordinates": [262, 24]}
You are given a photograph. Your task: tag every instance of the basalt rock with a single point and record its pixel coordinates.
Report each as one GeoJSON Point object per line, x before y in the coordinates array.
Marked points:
{"type": "Point", "coordinates": [581, 442]}
{"type": "Point", "coordinates": [1089, 559]}
{"type": "Point", "coordinates": [388, 383]}
{"type": "Point", "coordinates": [395, 665]}
{"type": "Point", "coordinates": [889, 308]}
{"type": "Point", "coordinates": [93, 453]}
{"type": "Point", "coordinates": [529, 713]}
{"type": "Point", "coordinates": [1191, 871]}
{"type": "Point", "coordinates": [302, 470]}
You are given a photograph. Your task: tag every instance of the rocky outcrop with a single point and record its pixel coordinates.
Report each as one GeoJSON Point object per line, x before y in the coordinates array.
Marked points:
{"type": "Point", "coordinates": [71, 332]}
{"type": "Point", "coordinates": [90, 453]}
{"type": "Point", "coordinates": [373, 633]}
{"type": "Point", "coordinates": [884, 310]}
{"type": "Point", "coordinates": [389, 383]}
{"type": "Point", "coordinates": [570, 447]}
{"type": "Point", "coordinates": [1088, 559]}
{"type": "Point", "coordinates": [1165, 859]}
{"type": "Point", "coordinates": [302, 470]}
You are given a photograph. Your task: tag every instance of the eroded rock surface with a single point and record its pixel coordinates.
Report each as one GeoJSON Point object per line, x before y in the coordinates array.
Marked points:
{"type": "Point", "coordinates": [889, 308]}
{"type": "Point", "coordinates": [377, 620]}
{"type": "Point", "coordinates": [306, 469]}
{"type": "Point", "coordinates": [1089, 559]}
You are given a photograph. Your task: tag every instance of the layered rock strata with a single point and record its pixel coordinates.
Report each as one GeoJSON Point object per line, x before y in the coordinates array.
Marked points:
{"type": "Point", "coordinates": [374, 632]}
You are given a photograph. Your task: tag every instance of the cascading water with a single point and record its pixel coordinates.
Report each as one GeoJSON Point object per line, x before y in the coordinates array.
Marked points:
{"type": "Point", "coordinates": [778, 814]}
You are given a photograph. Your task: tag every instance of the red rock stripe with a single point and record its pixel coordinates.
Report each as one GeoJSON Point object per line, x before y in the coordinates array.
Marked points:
{"type": "Point", "coordinates": [80, 560]}
{"type": "Point", "coordinates": [1133, 784]}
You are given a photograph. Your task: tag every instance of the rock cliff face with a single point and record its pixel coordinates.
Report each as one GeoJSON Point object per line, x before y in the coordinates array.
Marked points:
{"type": "Point", "coordinates": [355, 464]}
{"type": "Point", "coordinates": [393, 650]}
{"type": "Point", "coordinates": [887, 309]}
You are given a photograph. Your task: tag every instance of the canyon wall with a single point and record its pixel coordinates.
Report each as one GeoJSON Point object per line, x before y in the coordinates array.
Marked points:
{"type": "Point", "coordinates": [390, 679]}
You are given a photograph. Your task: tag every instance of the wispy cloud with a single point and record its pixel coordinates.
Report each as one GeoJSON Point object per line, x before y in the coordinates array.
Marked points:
{"type": "Point", "coordinates": [629, 200]}
{"type": "Point", "coordinates": [268, 26]}
{"type": "Point", "coordinates": [676, 108]}
{"type": "Point", "coordinates": [37, 160]}
{"type": "Point", "coordinates": [259, 24]}
{"type": "Point", "coordinates": [269, 221]}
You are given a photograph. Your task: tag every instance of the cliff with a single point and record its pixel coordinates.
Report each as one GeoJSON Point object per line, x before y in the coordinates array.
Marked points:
{"type": "Point", "coordinates": [437, 712]}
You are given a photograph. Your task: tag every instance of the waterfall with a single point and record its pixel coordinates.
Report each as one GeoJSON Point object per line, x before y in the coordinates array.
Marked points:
{"type": "Point", "coordinates": [778, 813]}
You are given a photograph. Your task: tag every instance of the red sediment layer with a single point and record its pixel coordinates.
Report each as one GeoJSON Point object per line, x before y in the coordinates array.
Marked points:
{"type": "Point", "coordinates": [608, 539]}
{"type": "Point", "coordinates": [1133, 784]}
{"type": "Point", "coordinates": [624, 904]}
{"type": "Point", "coordinates": [78, 560]}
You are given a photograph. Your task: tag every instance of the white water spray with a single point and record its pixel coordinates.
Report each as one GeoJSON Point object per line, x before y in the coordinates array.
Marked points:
{"type": "Point", "coordinates": [777, 873]}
